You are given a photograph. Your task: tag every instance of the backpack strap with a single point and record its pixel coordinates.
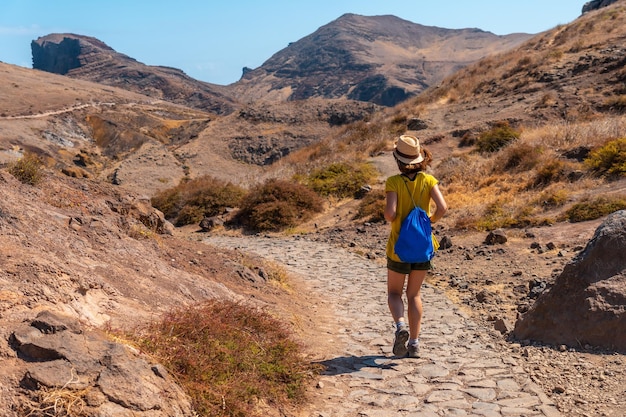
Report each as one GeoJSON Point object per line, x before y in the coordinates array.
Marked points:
{"type": "Point", "coordinates": [411, 194]}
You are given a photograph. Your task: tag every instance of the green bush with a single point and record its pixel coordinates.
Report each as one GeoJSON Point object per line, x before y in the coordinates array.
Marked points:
{"type": "Point", "coordinates": [27, 169]}
{"type": "Point", "coordinates": [341, 179]}
{"type": "Point", "coordinates": [496, 138]}
{"type": "Point", "coordinates": [610, 159]}
{"type": "Point", "coordinates": [228, 357]}
{"type": "Point", "coordinates": [190, 201]}
{"type": "Point", "coordinates": [595, 208]}
{"type": "Point", "coordinates": [277, 205]}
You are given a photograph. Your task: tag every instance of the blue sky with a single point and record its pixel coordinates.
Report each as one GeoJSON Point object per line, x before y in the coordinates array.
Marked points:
{"type": "Point", "coordinates": [212, 40]}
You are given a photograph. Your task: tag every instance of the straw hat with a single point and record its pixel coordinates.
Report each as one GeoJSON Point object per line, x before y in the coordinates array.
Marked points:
{"type": "Point", "coordinates": [407, 150]}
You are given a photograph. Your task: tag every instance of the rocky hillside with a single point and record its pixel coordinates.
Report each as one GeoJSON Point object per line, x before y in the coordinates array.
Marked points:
{"type": "Point", "coordinates": [571, 73]}
{"type": "Point", "coordinates": [379, 59]}
{"type": "Point", "coordinates": [87, 58]}
{"type": "Point", "coordinates": [78, 257]}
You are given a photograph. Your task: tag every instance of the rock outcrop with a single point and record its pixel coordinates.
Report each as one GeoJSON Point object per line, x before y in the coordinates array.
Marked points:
{"type": "Point", "coordinates": [596, 4]}
{"type": "Point", "coordinates": [587, 304]}
{"type": "Point", "coordinates": [86, 372]}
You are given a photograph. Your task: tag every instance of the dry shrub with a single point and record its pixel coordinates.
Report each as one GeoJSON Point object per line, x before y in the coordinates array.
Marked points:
{"type": "Point", "coordinates": [569, 135]}
{"type": "Point", "coordinates": [591, 209]}
{"type": "Point", "coordinates": [27, 169]}
{"type": "Point", "coordinates": [468, 139]}
{"type": "Point", "coordinates": [59, 402]}
{"type": "Point", "coordinates": [518, 157]}
{"type": "Point", "coordinates": [341, 179]}
{"type": "Point", "coordinates": [616, 104]}
{"type": "Point", "coordinates": [192, 200]}
{"type": "Point", "coordinates": [547, 100]}
{"type": "Point", "coordinates": [494, 139]}
{"type": "Point", "coordinates": [398, 123]}
{"type": "Point", "coordinates": [229, 358]}
{"type": "Point", "coordinates": [372, 207]}
{"type": "Point", "coordinates": [277, 205]}
{"type": "Point", "coordinates": [610, 159]}
{"type": "Point", "coordinates": [552, 197]}
{"type": "Point", "coordinates": [462, 170]}
{"type": "Point", "coordinates": [550, 172]}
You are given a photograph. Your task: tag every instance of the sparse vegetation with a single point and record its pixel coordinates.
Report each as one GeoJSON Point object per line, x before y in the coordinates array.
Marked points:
{"type": "Point", "coordinates": [141, 232]}
{"type": "Point", "coordinates": [27, 169]}
{"type": "Point", "coordinates": [616, 103]}
{"type": "Point", "coordinates": [277, 205]}
{"type": "Point", "coordinates": [340, 179]}
{"type": "Point", "coordinates": [610, 159]}
{"type": "Point", "coordinates": [372, 207]}
{"type": "Point", "coordinates": [496, 138]}
{"type": "Point", "coordinates": [229, 357]}
{"type": "Point", "coordinates": [192, 200]}
{"type": "Point", "coordinates": [49, 402]}
{"type": "Point", "coordinates": [518, 157]}
{"type": "Point", "coordinates": [595, 208]}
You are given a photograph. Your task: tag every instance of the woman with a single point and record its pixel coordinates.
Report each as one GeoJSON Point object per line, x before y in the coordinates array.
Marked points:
{"type": "Point", "coordinates": [412, 184]}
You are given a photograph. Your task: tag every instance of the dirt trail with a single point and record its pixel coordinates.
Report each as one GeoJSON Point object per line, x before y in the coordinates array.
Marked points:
{"type": "Point", "coordinates": [465, 368]}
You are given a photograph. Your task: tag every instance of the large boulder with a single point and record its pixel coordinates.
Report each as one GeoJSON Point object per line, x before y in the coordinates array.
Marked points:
{"type": "Point", "coordinates": [587, 304]}
{"type": "Point", "coordinates": [83, 370]}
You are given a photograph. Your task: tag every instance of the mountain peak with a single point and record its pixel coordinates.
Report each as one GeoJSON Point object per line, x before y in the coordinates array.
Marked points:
{"type": "Point", "coordinates": [380, 59]}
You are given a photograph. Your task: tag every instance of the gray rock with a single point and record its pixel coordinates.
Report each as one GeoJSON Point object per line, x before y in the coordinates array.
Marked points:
{"type": "Point", "coordinates": [496, 237]}
{"type": "Point", "coordinates": [596, 4]}
{"type": "Point", "coordinates": [209, 223]}
{"type": "Point", "coordinates": [586, 303]}
{"type": "Point", "coordinates": [60, 354]}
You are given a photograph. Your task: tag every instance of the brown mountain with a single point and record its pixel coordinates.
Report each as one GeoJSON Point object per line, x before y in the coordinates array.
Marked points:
{"type": "Point", "coordinates": [87, 58]}
{"type": "Point", "coordinates": [380, 59]}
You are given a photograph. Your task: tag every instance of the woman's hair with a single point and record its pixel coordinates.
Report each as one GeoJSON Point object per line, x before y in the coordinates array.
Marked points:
{"type": "Point", "coordinates": [411, 168]}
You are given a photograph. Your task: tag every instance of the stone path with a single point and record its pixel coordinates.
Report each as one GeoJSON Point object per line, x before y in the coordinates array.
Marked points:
{"type": "Point", "coordinates": [460, 372]}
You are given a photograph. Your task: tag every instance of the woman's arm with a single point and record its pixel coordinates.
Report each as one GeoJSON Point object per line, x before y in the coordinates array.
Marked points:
{"type": "Point", "coordinates": [440, 202]}
{"type": "Point", "coordinates": [391, 205]}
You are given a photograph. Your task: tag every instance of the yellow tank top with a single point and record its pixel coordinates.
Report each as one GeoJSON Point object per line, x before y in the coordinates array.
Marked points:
{"type": "Point", "coordinates": [420, 188]}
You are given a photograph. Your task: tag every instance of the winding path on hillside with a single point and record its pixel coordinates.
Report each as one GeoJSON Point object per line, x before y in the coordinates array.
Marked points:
{"type": "Point", "coordinates": [462, 370]}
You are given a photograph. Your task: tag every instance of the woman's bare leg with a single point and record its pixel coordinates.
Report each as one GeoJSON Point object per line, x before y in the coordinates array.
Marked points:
{"type": "Point", "coordinates": [414, 300]}
{"type": "Point", "coordinates": [395, 287]}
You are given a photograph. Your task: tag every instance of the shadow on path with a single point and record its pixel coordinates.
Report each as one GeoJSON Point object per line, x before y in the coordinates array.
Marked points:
{"type": "Point", "coordinates": [356, 364]}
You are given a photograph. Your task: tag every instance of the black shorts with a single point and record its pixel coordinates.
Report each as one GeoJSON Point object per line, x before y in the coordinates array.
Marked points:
{"type": "Point", "coordinates": [405, 268]}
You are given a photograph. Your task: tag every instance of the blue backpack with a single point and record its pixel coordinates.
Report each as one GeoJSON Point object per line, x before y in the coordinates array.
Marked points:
{"type": "Point", "coordinates": [415, 242]}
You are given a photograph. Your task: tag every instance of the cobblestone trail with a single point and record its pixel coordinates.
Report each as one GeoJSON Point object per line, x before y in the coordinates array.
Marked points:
{"type": "Point", "coordinates": [460, 373]}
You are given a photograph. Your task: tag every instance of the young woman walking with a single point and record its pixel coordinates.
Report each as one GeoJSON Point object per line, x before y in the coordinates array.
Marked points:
{"type": "Point", "coordinates": [412, 184]}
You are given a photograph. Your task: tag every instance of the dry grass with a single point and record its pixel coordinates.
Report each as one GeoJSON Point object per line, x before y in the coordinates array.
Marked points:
{"type": "Point", "coordinates": [28, 169]}
{"type": "Point", "coordinates": [372, 207]}
{"type": "Point", "coordinates": [530, 182]}
{"type": "Point", "coordinates": [56, 403]}
{"type": "Point", "coordinates": [230, 358]}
